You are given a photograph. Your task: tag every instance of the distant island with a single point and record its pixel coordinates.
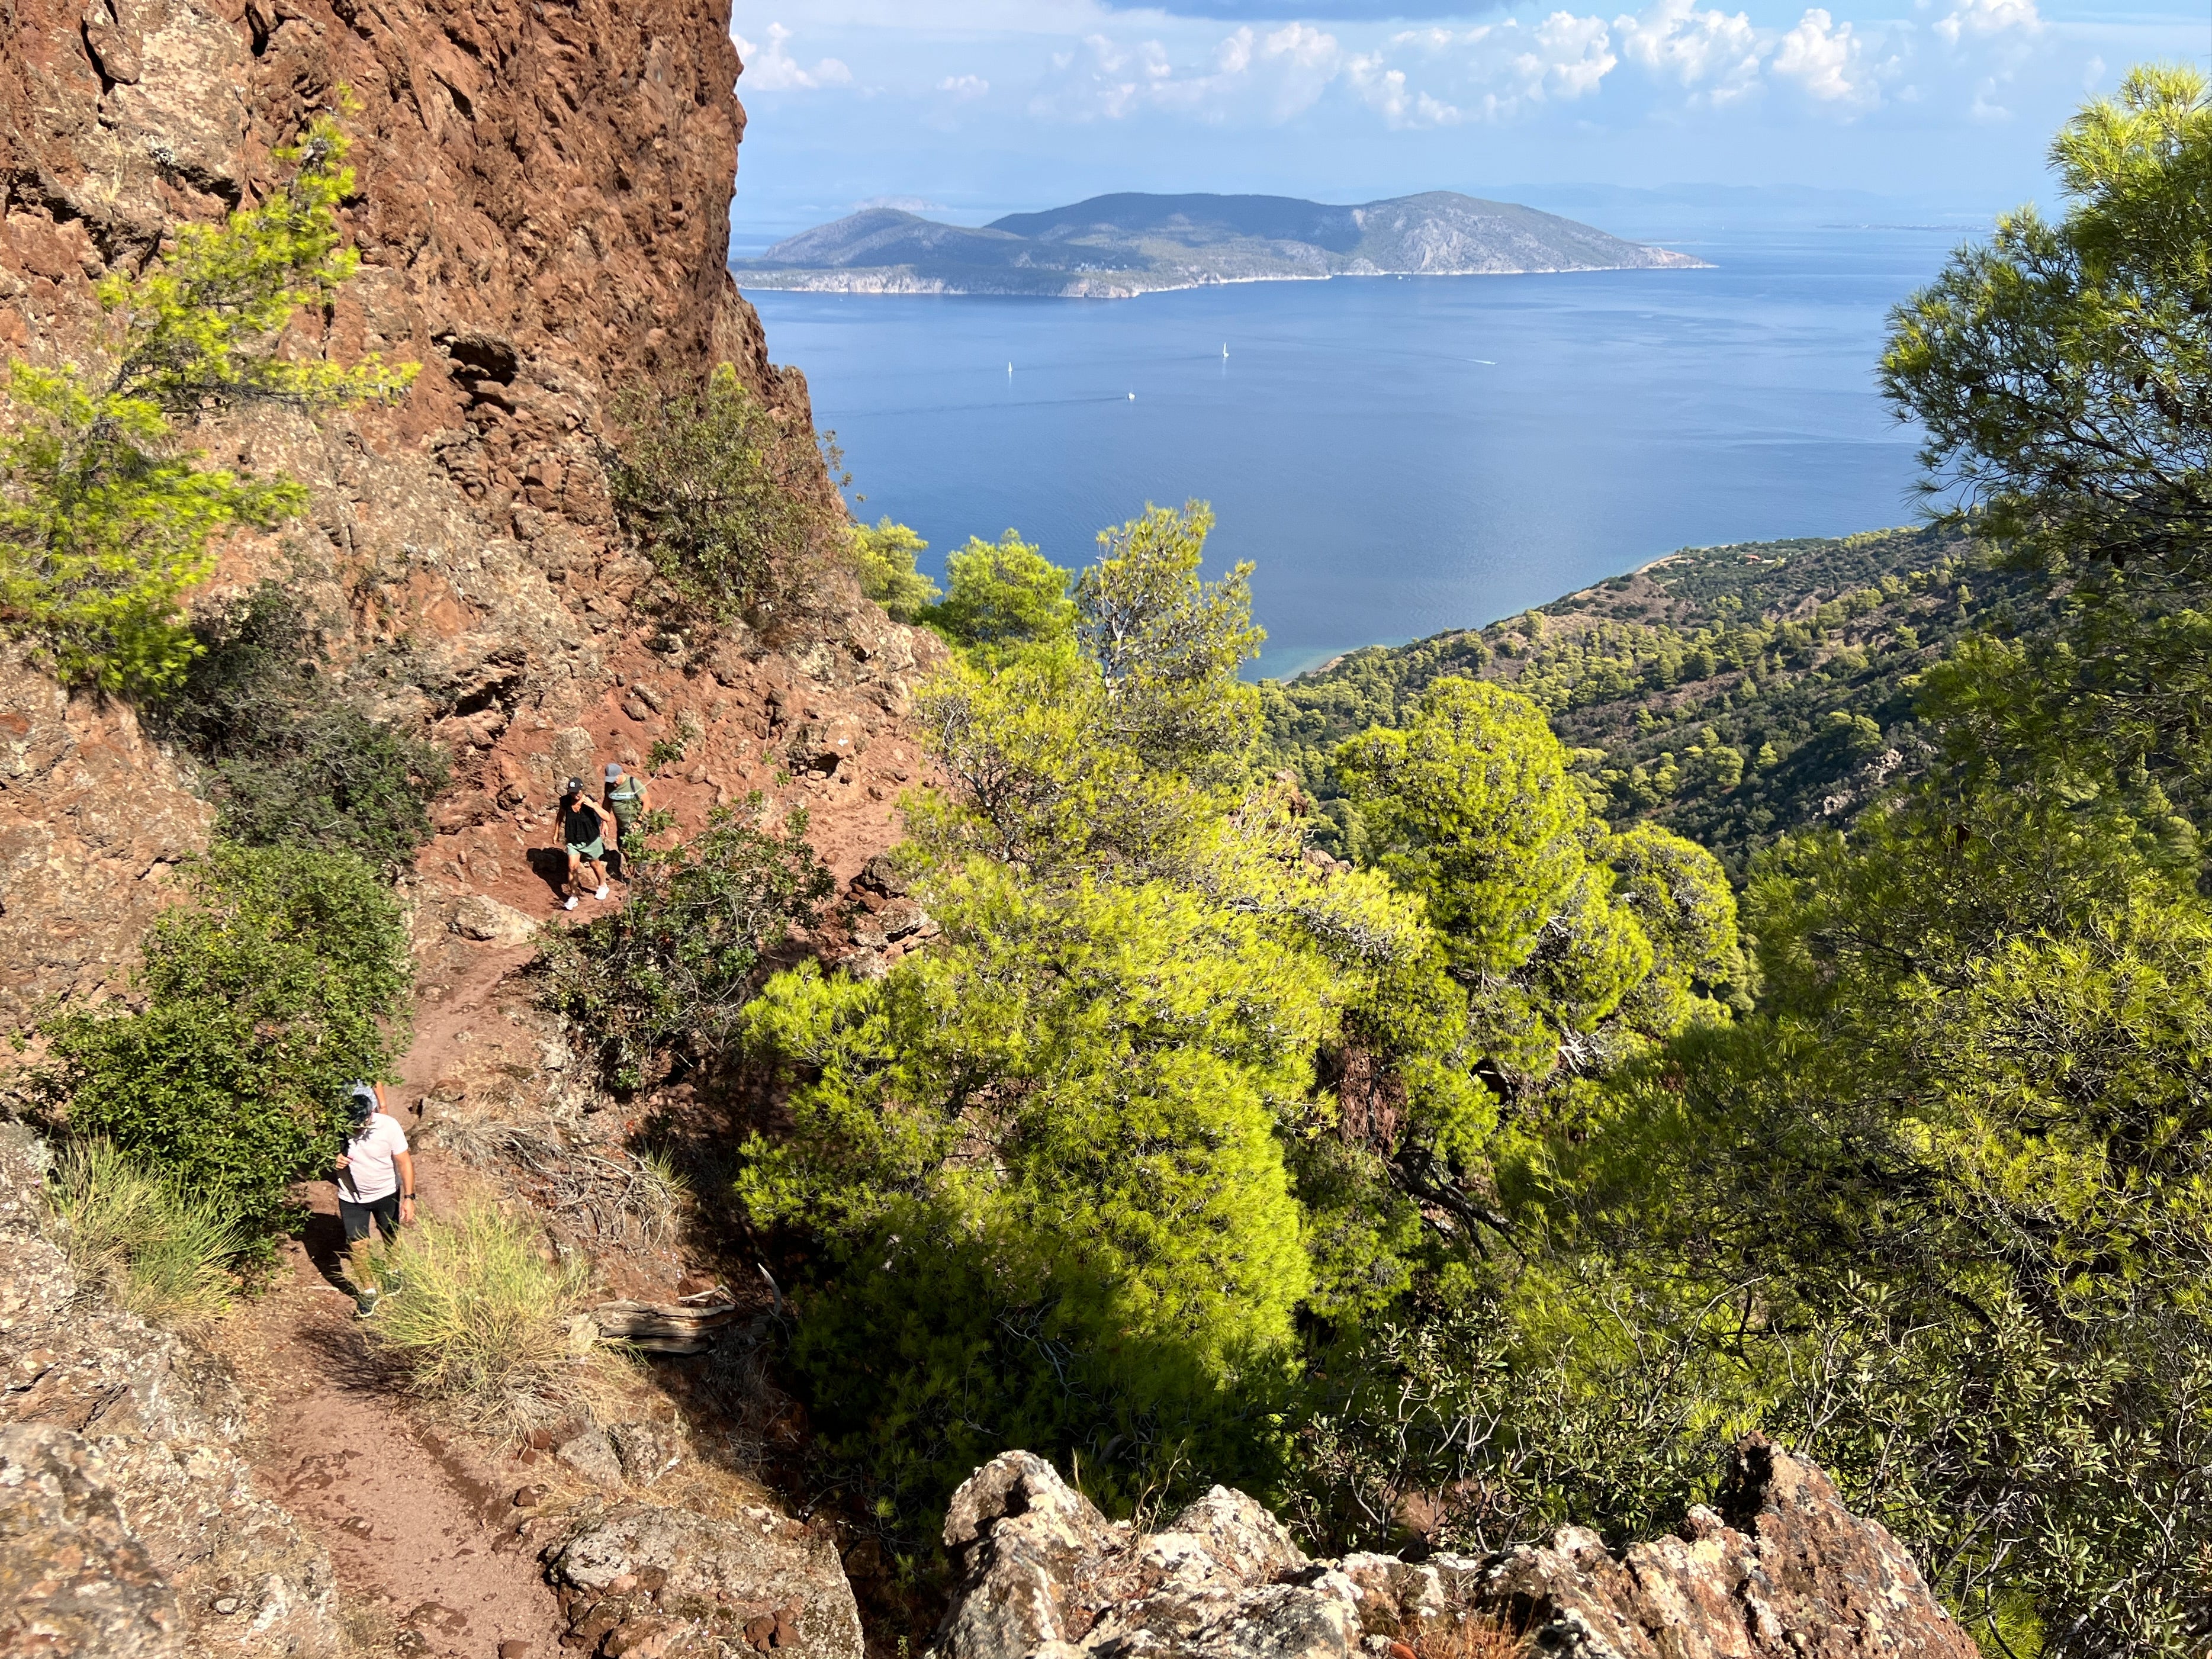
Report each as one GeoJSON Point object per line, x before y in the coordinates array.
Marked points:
{"type": "Point", "coordinates": [1114, 248]}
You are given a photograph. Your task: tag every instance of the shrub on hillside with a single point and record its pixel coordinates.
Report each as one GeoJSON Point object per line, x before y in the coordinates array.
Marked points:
{"type": "Point", "coordinates": [475, 1309]}
{"type": "Point", "coordinates": [292, 757]}
{"type": "Point", "coordinates": [1004, 594]}
{"type": "Point", "coordinates": [729, 500]}
{"type": "Point", "coordinates": [674, 965]}
{"type": "Point", "coordinates": [885, 554]}
{"type": "Point", "coordinates": [282, 975]}
{"type": "Point", "coordinates": [151, 1245]}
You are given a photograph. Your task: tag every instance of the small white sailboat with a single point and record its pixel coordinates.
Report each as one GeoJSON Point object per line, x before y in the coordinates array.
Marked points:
{"type": "Point", "coordinates": [1224, 351]}
{"type": "Point", "coordinates": [1132, 397]}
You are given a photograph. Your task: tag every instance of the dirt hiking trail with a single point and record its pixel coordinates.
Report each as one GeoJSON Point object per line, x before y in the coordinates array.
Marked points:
{"type": "Point", "coordinates": [421, 1529]}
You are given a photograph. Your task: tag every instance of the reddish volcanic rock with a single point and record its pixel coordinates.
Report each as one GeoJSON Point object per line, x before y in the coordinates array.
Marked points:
{"type": "Point", "coordinates": [543, 215]}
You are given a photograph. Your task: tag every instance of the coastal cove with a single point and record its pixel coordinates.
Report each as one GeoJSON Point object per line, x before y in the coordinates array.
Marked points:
{"type": "Point", "coordinates": [1400, 456]}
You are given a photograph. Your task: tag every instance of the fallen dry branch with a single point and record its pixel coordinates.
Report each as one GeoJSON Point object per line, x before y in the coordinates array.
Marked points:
{"type": "Point", "coordinates": [689, 1325]}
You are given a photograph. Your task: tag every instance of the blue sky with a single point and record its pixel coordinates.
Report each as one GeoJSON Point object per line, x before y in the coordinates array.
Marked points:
{"type": "Point", "coordinates": [968, 108]}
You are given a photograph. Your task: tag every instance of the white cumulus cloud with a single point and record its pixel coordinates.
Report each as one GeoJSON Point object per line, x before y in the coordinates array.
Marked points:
{"type": "Point", "coordinates": [1988, 17]}
{"type": "Point", "coordinates": [1665, 57]}
{"type": "Point", "coordinates": [1828, 60]}
{"type": "Point", "coordinates": [1571, 56]}
{"type": "Point", "coordinates": [1714, 55]}
{"type": "Point", "coordinates": [773, 70]}
{"type": "Point", "coordinates": [1276, 72]}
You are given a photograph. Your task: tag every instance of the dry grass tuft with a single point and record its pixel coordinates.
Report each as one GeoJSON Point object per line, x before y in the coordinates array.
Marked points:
{"type": "Point", "coordinates": [161, 1253]}
{"type": "Point", "coordinates": [477, 1315]}
{"type": "Point", "coordinates": [629, 1196]}
{"type": "Point", "coordinates": [1471, 1638]}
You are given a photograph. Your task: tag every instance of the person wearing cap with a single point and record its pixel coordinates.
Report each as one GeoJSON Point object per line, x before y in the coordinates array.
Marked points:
{"type": "Point", "coordinates": [376, 1184]}
{"type": "Point", "coordinates": [583, 831]}
{"type": "Point", "coordinates": [626, 801]}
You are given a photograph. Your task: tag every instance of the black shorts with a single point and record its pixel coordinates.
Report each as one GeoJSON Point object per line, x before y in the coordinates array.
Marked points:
{"type": "Point", "coordinates": [355, 1218]}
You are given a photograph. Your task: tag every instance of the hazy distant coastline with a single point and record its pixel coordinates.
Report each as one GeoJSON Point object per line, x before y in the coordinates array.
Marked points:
{"type": "Point", "coordinates": [1113, 247]}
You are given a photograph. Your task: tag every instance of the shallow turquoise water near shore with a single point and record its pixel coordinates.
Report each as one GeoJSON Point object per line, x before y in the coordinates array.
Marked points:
{"type": "Point", "coordinates": [1399, 457]}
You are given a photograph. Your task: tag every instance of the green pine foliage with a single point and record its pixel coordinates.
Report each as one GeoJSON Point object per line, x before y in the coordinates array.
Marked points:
{"type": "Point", "coordinates": [106, 518]}
{"type": "Point", "coordinates": [2058, 372]}
{"type": "Point", "coordinates": [884, 554]}
{"type": "Point", "coordinates": [1003, 595]}
{"type": "Point", "coordinates": [1468, 807]}
{"type": "Point", "coordinates": [1076, 1175]}
{"type": "Point", "coordinates": [283, 976]}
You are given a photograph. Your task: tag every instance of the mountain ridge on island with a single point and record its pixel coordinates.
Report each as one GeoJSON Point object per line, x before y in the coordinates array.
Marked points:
{"type": "Point", "coordinates": [1119, 245]}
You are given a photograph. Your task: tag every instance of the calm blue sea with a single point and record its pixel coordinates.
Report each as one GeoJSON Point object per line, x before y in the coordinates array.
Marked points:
{"type": "Point", "coordinates": [1398, 456]}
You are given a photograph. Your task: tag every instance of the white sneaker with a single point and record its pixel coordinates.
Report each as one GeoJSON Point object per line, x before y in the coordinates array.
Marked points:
{"type": "Point", "coordinates": [602, 893]}
{"type": "Point", "coordinates": [569, 903]}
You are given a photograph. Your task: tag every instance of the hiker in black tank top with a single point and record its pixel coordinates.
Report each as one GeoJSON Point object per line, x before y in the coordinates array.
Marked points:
{"type": "Point", "coordinates": [582, 831]}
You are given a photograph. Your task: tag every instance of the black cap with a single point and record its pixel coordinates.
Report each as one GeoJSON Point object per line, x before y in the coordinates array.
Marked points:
{"type": "Point", "coordinates": [576, 787]}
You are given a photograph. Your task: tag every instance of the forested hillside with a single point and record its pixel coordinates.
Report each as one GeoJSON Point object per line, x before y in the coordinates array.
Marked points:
{"type": "Point", "coordinates": [1731, 694]}
{"type": "Point", "coordinates": [1487, 1176]}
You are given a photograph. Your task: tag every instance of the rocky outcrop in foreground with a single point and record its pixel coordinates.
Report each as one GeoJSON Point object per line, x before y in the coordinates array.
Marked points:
{"type": "Point", "coordinates": [648, 1580]}
{"type": "Point", "coordinates": [1776, 1569]}
{"type": "Point", "coordinates": [129, 1524]}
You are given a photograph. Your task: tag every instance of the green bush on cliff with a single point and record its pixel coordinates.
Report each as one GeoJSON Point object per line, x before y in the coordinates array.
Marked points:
{"type": "Point", "coordinates": [106, 519]}
{"type": "Point", "coordinates": [672, 968]}
{"type": "Point", "coordinates": [729, 499]}
{"type": "Point", "coordinates": [281, 976]}
{"type": "Point", "coordinates": [884, 553]}
{"type": "Point", "coordinates": [291, 755]}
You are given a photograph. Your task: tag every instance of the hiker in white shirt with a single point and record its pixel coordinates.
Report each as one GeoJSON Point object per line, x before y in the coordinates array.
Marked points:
{"type": "Point", "coordinates": [376, 1183]}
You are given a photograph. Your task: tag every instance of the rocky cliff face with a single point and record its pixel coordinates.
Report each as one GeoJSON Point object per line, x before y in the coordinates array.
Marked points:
{"type": "Point", "coordinates": [542, 215]}
{"type": "Point", "coordinates": [128, 1522]}
{"type": "Point", "coordinates": [1779, 1569]}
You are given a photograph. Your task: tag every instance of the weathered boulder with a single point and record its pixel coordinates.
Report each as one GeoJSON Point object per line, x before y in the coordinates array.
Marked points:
{"type": "Point", "coordinates": [1778, 1570]}
{"type": "Point", "coordinates": [74, 1579]}
{"type": "Point", "coordinates": [486, 920]}
{"type": "Point", "coordinates": [648, 1580]}
{"type": "Point", "coordinates": [122, 1449]}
